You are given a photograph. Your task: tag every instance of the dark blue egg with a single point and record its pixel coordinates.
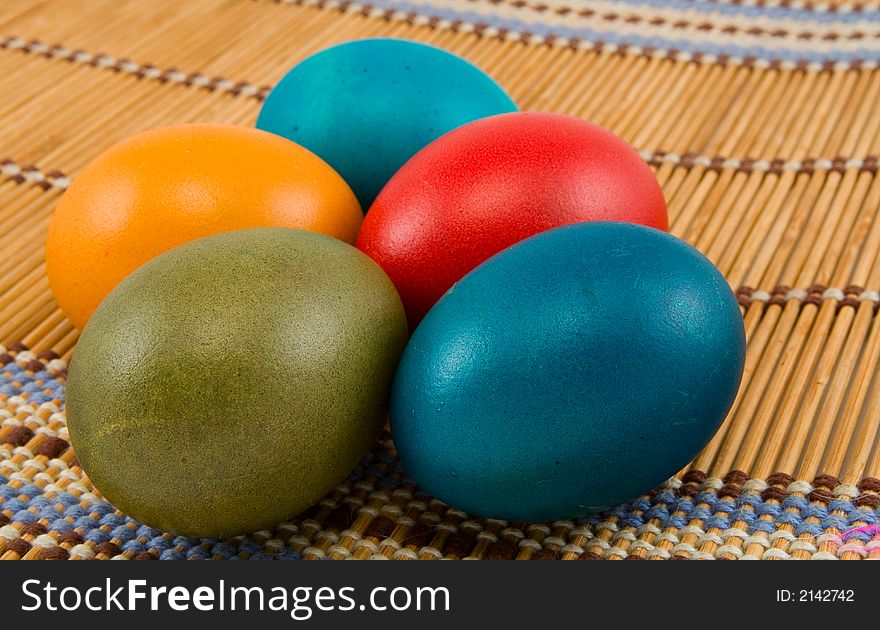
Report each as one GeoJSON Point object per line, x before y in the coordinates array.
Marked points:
{"type": "Point", "coordinates": [369, 105]}
{"type": "Point", "coordinates": [568, 373]}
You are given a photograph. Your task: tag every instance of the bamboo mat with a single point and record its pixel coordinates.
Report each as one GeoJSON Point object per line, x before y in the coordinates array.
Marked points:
{"type": "Point", "coordinates": [761, 120]}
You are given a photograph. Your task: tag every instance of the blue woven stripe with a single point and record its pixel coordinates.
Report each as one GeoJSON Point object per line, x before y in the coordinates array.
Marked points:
{"type": "Point", "coordinates": [730, 9]}
{"type": "Point", "coordinates": [802, 52]}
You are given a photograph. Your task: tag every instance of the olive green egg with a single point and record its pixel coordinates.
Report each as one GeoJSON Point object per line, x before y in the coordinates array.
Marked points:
{"type": "Point", "coordinates": [230, 383]}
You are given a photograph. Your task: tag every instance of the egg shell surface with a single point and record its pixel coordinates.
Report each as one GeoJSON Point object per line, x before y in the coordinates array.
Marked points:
{"type": "Point", "coordinates": [492, 183]}
{"type": "Point", "coordinates": [368, 105]}
{"type": "Point", "coordinates": [232, 382]}
{"type": "Point", "coordinates": [568, 373]}
{"type": "Point", "coordinates": [167, 186]}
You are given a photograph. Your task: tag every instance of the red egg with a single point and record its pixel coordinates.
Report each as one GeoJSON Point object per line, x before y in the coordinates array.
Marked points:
{"type": "Point", "coordinates": [494, 182]}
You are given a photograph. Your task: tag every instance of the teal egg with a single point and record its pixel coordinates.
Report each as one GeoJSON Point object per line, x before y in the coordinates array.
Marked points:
{"type": "Point", "coordinates": [568, 373]}
{"type": "Point", "coordinates": [369, 105]}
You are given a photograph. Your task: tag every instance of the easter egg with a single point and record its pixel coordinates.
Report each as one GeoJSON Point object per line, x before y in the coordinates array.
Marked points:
{"type": "Point", "coordinates": [231, 382]}
{"type": "Point", "coordinates": [367, 106]}
{"type": "Point", "coordinates": [165, 187]}
{"type": "Point", "coordinates": [569, 373]}
{"type": "Point", "coordinates": [492, 183]}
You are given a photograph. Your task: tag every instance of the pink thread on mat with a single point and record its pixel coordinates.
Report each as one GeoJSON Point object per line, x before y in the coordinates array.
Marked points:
{"type": "Point", "coordinates": [843, 539]}
{"type": "Point", "coordinates": [866, 529]}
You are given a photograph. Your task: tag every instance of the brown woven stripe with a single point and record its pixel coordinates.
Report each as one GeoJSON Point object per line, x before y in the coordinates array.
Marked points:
{"type": "Point", "coordinates": [139, 70]}
{"type": "Point", "coordinates": [56, 179]}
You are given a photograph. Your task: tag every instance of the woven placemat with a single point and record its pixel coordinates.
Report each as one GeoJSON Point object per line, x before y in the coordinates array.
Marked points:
{"type": "Point", "coordinates": [760, 121]}
{"type": "Point", "coordinates": [51, 511]}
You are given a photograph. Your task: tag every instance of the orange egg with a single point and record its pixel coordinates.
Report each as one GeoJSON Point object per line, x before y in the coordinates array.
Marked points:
{"type": "Point", "coordinates": [165, 187]}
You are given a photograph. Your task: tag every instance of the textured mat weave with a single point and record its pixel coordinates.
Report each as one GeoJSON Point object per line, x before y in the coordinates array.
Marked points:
{"type": "Point", "coordinates": [50, 511]}
{"type": "Point", "coordinates": [760, 120]}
